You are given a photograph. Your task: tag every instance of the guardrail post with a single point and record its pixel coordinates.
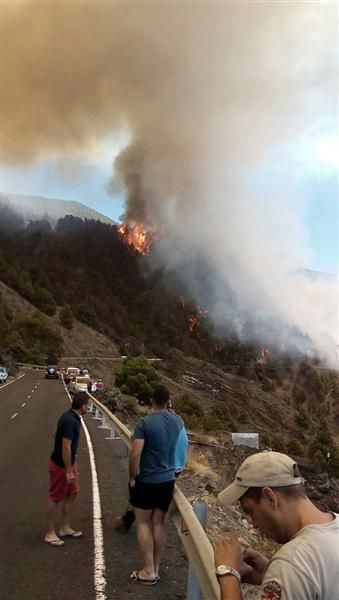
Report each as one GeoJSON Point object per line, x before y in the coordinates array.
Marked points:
{"type": "Point", "coordinates": [104, 424]}
{"type": "Point", "coordinates": [97, 414]}
{"type": "Point", "coordinates": [113, 435]}
{"type": "Point", "coordinates": [200, 510]}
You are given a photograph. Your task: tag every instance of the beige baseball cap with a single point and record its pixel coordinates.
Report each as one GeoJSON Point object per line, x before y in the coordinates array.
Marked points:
{"type": "Point", "coordinates": [271, 469]}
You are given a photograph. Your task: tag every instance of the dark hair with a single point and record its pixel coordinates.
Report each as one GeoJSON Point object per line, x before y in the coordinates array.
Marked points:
{"type": "Point", "coordinates": [288, 491]}
{"type": "Point", "coordinates": [160, 396]}
{"type": "Point", "coordinates": [79, 399]}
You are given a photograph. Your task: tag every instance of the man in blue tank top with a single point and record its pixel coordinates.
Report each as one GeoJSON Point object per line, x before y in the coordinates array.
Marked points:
{"type": "Point", "coordinates": [152, 471]}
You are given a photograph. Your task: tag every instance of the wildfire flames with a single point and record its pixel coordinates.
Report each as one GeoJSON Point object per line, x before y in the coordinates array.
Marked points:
{"type": "Point", "coordinates": [263, 354]}
{"type": "Point", "coordinates": [137, 237]}
{"type": "Point", "coordinates": [195, 319]}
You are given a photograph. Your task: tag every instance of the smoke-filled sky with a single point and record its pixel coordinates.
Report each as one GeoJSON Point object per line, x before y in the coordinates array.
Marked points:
{"type": "Point", "coordinates": [217, 121]}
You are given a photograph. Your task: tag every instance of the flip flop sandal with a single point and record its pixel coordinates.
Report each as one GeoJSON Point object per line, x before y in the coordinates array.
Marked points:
{"type": "Point", "coordinates": [71, 536]}
{"type": "Point", "coordinates": [135, 577]}
{"type": "Point", "coordinates": [55, 543]}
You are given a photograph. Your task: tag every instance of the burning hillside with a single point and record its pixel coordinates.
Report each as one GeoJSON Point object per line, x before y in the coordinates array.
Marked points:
{"type": "Point", "coordinates": [138, 238]}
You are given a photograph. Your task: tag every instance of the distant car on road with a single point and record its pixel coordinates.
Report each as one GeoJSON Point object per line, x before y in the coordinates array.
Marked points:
{"type": "Point", "coordinates": [71, 373]}
{"type": "Point", "coordinates": [52, 373]}
{"type": "Point", "coordinates": [3, 374]}
{"type": "Point", "coordinates": [78, 384]}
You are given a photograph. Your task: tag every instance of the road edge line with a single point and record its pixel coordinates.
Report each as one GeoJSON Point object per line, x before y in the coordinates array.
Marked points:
{"type": "Point", "coordinates": [99, 555]}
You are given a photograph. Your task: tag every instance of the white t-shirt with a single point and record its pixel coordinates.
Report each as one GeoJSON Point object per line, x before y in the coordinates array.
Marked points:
{"type": "Point", "coordinates": [307, 567]}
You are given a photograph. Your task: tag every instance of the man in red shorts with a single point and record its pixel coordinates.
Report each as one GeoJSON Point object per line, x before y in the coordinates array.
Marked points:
{"type": "Point", "coordinates": [64, 485]}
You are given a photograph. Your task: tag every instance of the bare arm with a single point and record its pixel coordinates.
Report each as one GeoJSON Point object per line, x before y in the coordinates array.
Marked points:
{"type": "Point", "coordinates": [67, 457]}
{"type": "Point", "coordinates": [134, 459]}
{"type": "Point", "coordinates": [229, 552]}
{"type": "Point", "coordinates": [230, 588]}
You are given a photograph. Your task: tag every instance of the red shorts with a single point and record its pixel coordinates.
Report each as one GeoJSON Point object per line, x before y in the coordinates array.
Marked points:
{"type": "Point", "coordinates": [59, 487]}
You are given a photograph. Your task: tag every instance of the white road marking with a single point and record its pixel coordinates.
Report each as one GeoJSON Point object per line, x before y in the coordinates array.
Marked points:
{"type": "Point", "coordinates": [99, 556]}
{"type": "Point", "coordinates": [15, 415]}
{"type": "Point", "coordinates": [28, 397]}
{"type": "Point", "coordinates": [23, 404]}
{"type": "Point", "coordinates": [32, 392]}
{"type": "Point", "coordinates": [14, 380]}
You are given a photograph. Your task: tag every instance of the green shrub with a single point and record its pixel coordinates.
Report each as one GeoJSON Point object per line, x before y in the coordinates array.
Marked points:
{"type": "Point", "coordinates": [39, 339]}
{"type": "Point", "coordinates": [299, 395]}
{"type": "Point", "coordinates": [186, 405]}
{"type": "Point", "coordinates": [323, 450]}
{"type": "Point", "coordinates": [267, 385]}
{"type": "Point", "coordinates": [295, 447]}
{"type": "Point", "coordinates": [44, 300]}
{"type": "Point", "coordinates": [192, 422]}
{"type": "Point", "coordinates": [302, 419]}
{"type": "Point", "coordinates": [243, 417]}
{"type": "Point", "coordinates": [66, 318]}
{"type": "Point", "coordinates": [221, 411]}
{"type": "Point", "coordinates": [137, 377]}
{"type": "Point", "coordinates": [86, 314]}
{"type": "Point", "coordinates": [211, 423]}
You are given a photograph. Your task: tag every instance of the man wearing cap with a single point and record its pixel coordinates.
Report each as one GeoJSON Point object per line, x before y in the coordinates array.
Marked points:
{"type": "Point", "coordinates": [306, 567]}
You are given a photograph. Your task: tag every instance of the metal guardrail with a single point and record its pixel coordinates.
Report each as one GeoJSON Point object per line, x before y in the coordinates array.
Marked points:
{"type": "Point", "coordinates": [191, 533]}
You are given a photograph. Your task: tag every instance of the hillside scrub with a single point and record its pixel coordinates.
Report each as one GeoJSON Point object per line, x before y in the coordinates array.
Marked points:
{"type": "Point", "coordinates": [82, 270]}
{"type": "Point", "coordinates": [85, 267]}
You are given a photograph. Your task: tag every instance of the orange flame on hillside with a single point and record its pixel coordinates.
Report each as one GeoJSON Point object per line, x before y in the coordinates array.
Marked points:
{"type": "Point", "coordinates": [194, 320]}
{"type": "Point", "coordinates": [137, 237]}
{"type": "Point", "coordinates": [263, 354]}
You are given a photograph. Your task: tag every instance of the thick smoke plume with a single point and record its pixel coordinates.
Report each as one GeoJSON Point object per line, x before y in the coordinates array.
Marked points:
{"type": "Point", "coordinates": [207, 91]}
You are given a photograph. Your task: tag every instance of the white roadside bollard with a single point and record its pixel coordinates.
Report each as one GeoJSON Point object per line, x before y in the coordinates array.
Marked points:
{"type": "Point", "coordinates": [97, 414]}
{"type": "Point", "coordinates": [104, 424]}
{"type": "Point", "coordinates": [113, 435]}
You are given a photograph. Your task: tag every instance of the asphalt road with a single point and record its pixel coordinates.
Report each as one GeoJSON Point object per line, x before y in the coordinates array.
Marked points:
{"type": "Point", "coordinates": [29, 568]}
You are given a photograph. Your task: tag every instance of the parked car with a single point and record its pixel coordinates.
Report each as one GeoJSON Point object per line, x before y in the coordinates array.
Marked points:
{"type": "Point", "coordinates": [71, 373]}
{"type": "Point", "coordinates": [3, 374]}
{"type": "Point", "coordinates": [52, 373]}
{"type": "Point", "coordinates": [78, 384]}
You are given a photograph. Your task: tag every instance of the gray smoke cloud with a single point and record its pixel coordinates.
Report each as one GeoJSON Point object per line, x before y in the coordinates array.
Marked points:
{"type": "Point", "coordinates": [207, 91]}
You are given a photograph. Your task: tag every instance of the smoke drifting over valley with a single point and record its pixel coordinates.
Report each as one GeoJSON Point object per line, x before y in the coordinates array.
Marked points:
{"type": "Point", "coordinates": [206, 93]}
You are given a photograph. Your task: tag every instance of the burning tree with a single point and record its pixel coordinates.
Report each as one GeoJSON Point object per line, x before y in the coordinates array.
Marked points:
{"type": "Point", "coordinates": [139, 237]}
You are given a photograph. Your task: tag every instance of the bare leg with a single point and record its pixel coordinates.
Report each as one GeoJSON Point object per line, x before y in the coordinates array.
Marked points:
{"type": "Point", "coordinates": [66, 513]}
{"type": "Point", "coordinates": [51, 515]}
{"type": "Point", "coordinates": [143, 520]}
{"type": "Point", "coordinates": [159, 536]}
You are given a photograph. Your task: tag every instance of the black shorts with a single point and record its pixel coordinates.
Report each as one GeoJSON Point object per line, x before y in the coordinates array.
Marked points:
{"type": "Point", "coordinates": [152, 495]}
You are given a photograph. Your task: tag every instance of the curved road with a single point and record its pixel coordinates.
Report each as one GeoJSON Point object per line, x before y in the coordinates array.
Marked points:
{"type": "Point", "coordinates": [29, 568]}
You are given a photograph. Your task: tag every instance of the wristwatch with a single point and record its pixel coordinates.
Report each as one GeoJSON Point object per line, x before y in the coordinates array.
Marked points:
{"type": "Point", "coordinates": [223, 570]}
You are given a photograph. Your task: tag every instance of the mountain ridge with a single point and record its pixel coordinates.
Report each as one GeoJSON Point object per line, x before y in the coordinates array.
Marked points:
{"type": "Point", "coordinates": [40, 207]}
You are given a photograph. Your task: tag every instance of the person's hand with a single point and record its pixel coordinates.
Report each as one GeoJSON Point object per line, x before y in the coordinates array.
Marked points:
{"type": "Point", "coordinates": [132, 483]}
{"type": "Point", "coordinates": [227, 551]}
{"type": "Point", "coordinates": [70, 476]}
{"type": "Point", "coordinates": [258, 563]}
